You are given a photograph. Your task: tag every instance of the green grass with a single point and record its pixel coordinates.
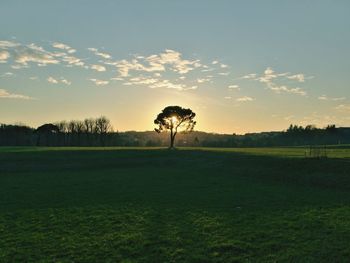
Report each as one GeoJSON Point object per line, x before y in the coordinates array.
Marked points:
{"type": "Point", "coordinates": [187, 205]}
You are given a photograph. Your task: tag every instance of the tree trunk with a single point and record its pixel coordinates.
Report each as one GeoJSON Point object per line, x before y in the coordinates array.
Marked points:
{"type": "Point", "coordinates": [171, 139]}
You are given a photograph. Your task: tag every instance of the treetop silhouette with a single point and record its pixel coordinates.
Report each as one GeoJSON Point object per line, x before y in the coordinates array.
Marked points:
{"type": "Point", "coordinates": [173, 119]}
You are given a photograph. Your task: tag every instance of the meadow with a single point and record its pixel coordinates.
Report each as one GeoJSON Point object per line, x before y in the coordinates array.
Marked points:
{"type": "Point", "coordinates": [184, 205]}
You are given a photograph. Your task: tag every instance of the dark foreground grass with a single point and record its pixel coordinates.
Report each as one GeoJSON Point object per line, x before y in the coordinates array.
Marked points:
{"type": "Point", "coordinates": [155, 205]}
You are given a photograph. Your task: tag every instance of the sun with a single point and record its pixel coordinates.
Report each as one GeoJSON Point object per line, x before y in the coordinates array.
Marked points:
{"type": "Point", "coordinates": [174, 119]}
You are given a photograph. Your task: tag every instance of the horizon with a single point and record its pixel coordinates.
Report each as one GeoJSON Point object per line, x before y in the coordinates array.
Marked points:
{"type": "Point", "coordinates": [194, 130]}
{"type": "Point", "coordinates": [241, 67]}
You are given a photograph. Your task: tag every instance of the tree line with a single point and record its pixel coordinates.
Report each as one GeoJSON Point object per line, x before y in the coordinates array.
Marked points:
{"type": "Point", "coordinates": [89, 132]}
{"type": "Point", "coordinates": [99, 132]}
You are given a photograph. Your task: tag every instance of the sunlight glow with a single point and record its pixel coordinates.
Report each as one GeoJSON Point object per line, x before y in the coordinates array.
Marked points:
{"type": "Point", "coordinates": [174, 119]}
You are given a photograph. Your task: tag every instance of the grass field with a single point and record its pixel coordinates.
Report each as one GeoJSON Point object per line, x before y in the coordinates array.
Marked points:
{"type": "Point", "coordinates": [186, 205]}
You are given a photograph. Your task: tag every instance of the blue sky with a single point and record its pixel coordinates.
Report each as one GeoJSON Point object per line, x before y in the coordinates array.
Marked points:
{"type": "Point", "coordinates": [242, 66]}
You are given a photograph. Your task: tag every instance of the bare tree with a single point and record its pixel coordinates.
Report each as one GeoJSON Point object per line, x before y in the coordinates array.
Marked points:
{"type": "Point", "coordinates": [102, 127]}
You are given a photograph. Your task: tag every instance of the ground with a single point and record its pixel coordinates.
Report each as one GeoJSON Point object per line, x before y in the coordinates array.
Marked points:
{"type": "Point", "coordinates": [187, 205]}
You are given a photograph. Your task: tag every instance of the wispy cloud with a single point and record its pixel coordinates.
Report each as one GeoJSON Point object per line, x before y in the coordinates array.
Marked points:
{"type": "Point", "coordinates": [64, 81]}
{"type": "Point", "coordinates": [99, 82]}
{"type": "Point", "coordinates": [343, 108]}
{"type": "Point", "coordinates": [148, 68]}
{"type": "Point", "coordinates": [326, 98]}
{"type": "Point", "coordinates": [224, 73]}
{"type": "Point", "coordinates": [249, 76]}
{"type": "Point", "coordinates": [155, 83]}
{"type": "Point", "coordinates": [298, 77]}
{"type": "Point", "coordinates": [203, 80]}
{"type": "Point", "coordinates": [8, 44]}
{"type": "Point", "coordinates": [52, 80]}
{"type": "Point", "coordinates": [73, 61]}
{"type": "Point", "coordinates": [7, 95]}
{"type": "Point", "coordinates": [271, 79]}
{"type": "Point", "coordinates": [60, 80]}
{"type": "Point", "coordinates": [169, 85]}
{"type": "Point", "coordinates": [289, 117]}
{"type": "Point", "coordinates": [100, 54]}
{"type": "Point", "coordinates": [234, 87]}
{"type": "Point", "coordinates": [64, 47]}
{"type": "Point", "coordinates": [281, 89]}
{"type": "Point", "coordinates": [32, 53]}
{"type": "Point", "coordinates": [99, 68]}
{"type": "Point", "coordinates": [4, 55]}
{"type": "Point", "coordinates": [7, 74]}
{"type": "Point", "coordinates": [245, 99]}
{"type": "Point", "coordinates": [169, 59]}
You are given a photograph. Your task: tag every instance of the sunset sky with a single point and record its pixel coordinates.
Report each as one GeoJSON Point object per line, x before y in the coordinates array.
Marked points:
{"type": "Point", "coordinates": [242, 66]}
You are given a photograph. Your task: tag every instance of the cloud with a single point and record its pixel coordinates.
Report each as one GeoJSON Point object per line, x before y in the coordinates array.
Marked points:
{"type": "Point", "coordinates": [169, 85]}
{"type": "Point", "coordinates": [271, 79]}
{"type": "Point", "coordinates": [169, 59]}
{"type": "Point", "coordinates": [288, 118]}
{"type": "Point", "coordinates": [116, 78]}
{"type": "Point", "coordinates": [4, 55]}
{"type": "Point", "coordinates": [298, 77]}
{"type": "Point", "coordinates": [64, 47]}
{"type": "Point", "coordinates": [155, 83]}
{"type": "Point", "coordinates": [98, 68]}
{"type": "Point", "coordinates": [8, 44]}
{"type": "Point", "coordinates": [207, 69]}
{"type": "Point", "coordinates": [227, 97]}
{"type": "Point", "coordinates": [7, 95]}
{"type": "Point", "coordinates": [245, 99]}
{"type": "Point", "coordinates": [249, 76]}
{"type": "Point", "coordinates": [326, 98]}
{"type": "Point", "coordinates": [234, 87]}
{"type": "Point", "coordinates": [343, 108]}
{"type": "Point", "coordinates": [34, 54]}
{"type": "Point", "coordinates": [165, 69]}
{"type": "Point", "coordinates": [124, 67]}
{"type": "Point", "coordinates": [73, 61]}
{"type": "Point", "coordinates": [215, 62]}
{"type": "Point", "coordinates": [52, 80]}
{"type": "Point", "coordinates": [174, 60]}
{"type": "Point", "coordinates": [224, 73]}
{"type": "Point", "coordinates": [100, 54]}
{"type": "Point", "coordinates": [99, 82]}
{"type": "Point", "coordinates": [7, 74]}
{"type": "Point", "coordinates": [64, 81]}
{"type": "Point", "coordinates": [56, 81]}
{"type": "Point", "coordinates": [143, 81]}
{"type": "Point", "coordinates": [23, 55]}
{"type": "Point", "coordinates": [269, 75]}
{"type": "Point", "coordinates": [202, 80]}
{"type": "Point", "coordinates": [280, 89]}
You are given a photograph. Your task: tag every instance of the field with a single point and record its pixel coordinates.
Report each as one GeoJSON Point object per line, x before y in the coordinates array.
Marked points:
{"type": "Point", "coordinates": [185, 205]}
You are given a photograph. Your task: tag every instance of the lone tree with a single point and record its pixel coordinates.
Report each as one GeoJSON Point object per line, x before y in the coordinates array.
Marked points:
{"type": "Point", "coordinates": [174, 118]}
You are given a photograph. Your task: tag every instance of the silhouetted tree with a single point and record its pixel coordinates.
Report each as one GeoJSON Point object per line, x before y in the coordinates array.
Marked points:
{"type": "Point", "coordinates": [46, 130]}
{"type": "Point", "coordinates": [172, 118]}
{"type": "Point", "coordinates": [102, 128]}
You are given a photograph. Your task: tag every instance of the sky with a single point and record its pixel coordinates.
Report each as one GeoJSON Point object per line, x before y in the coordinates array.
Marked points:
{"type": "Point", "coordinates": [241, 66]}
